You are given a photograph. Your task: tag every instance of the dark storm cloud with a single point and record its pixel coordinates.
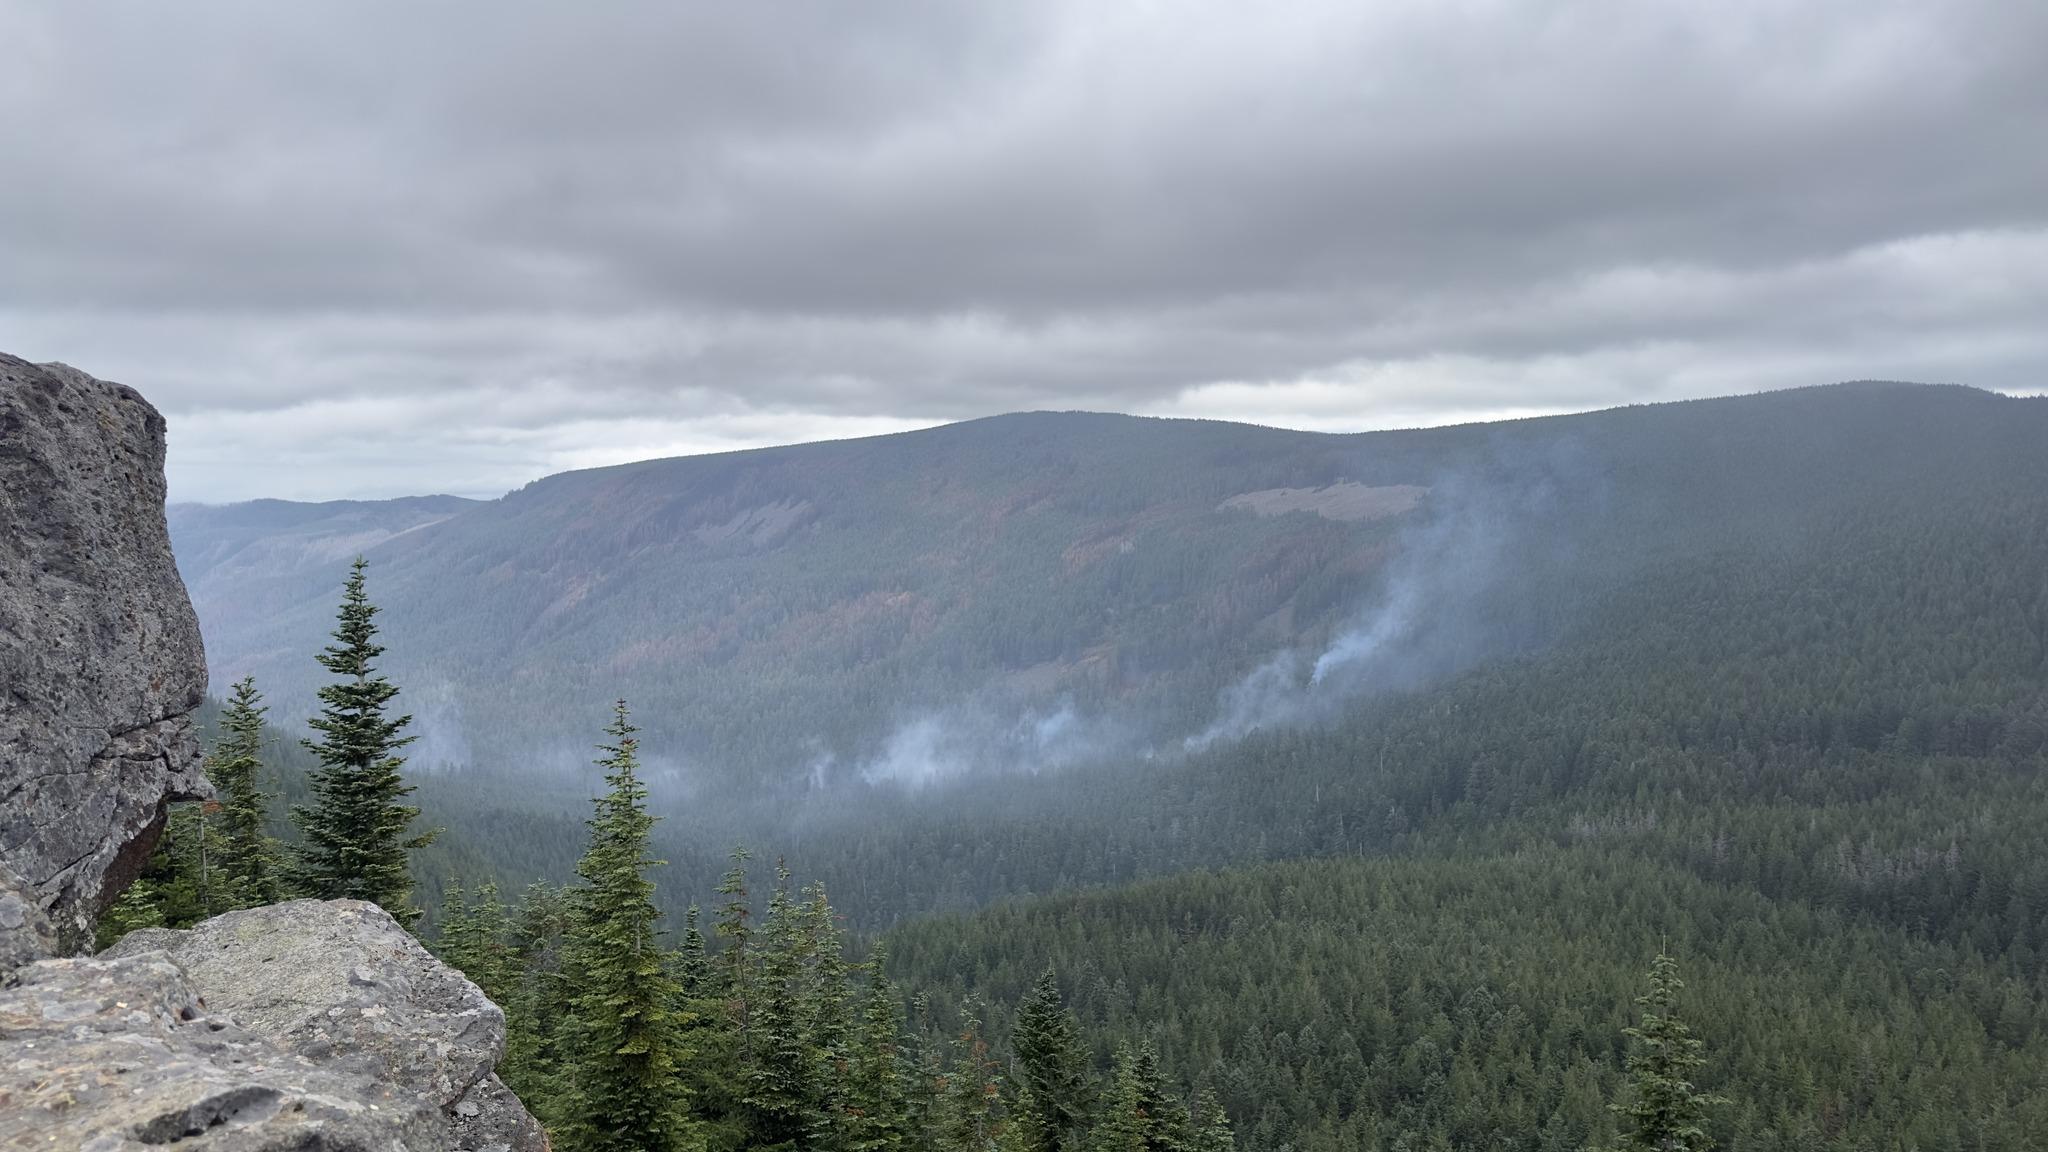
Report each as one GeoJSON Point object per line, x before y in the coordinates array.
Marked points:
{"type": "Point", "coordinates": [403, 246]}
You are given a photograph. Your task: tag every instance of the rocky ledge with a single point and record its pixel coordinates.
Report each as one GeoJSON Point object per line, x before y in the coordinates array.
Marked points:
{"type": "Point", "coordinates": [312, 1026]}
{"type": "Point", "coordinates": [307, 1025]}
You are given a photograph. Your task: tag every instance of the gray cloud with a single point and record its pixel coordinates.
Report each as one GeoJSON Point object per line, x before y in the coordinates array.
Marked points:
{"type": "Point", "coordinates": [370, 248]}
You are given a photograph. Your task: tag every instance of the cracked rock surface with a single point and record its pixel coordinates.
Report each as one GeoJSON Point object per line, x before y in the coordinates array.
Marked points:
{"type": "Point", "coordinates": [122, 1055]}
{"type": "Point", "coordinates": [301, 1026]}
{"type": "Point", "coordinates": [100, 658]}
{"type": "Point", "coordinates": [311, 1026]}
{"type": "Point", "coordinates": [339, 982]}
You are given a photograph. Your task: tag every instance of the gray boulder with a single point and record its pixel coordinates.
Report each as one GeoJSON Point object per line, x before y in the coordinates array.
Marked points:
{"type": "Point", "coordinates": [338, 982]}
{"type": "Point", "coordinates": [99, 652]}
{"type": "Point", "coordinates": [308, 1025]}
{"type": "Point", "coordinates": [122, 1055]}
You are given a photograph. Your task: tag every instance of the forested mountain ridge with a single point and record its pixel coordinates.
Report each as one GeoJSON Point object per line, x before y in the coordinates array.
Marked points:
{"type": "Point", "coordinates": [1761, 680]}
{"type": "Point", "coordinates": [834, 585]}
{"type": "Point", "coordinates": [786, 615]}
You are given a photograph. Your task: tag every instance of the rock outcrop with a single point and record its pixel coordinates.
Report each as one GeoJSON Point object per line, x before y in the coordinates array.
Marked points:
{"type": "Point", "coordinates": [122, 1055]}
{"type": "Point", "coordinates": [340, 983]}
{"type": "Point", "coordinates": [307, 1025]}
{"type": "Point", "coordinates": [312, 1025]}
{"type": "Point", "coordinates": [99, 652]}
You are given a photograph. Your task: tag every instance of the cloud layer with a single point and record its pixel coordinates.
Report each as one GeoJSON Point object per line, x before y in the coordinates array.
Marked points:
{"type": "Point", "coordinates": [378, 247]}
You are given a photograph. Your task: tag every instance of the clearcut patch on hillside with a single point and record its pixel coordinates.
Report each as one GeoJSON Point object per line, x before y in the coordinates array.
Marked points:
{"type": "Point", "coordinates": [1349, 501]}
{"type": "Point", "coordinates": [759, 526]}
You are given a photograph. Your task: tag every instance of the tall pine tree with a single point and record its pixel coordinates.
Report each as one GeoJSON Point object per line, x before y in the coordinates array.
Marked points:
{"type": "Point", "coordinates": [1054, 1068]}
{"type": "Point", "coordinates": [628, 1087]}
{"type": "Point", "coordinates": [875, 1088]}
{"type": "Point", "coordinates": [1662, 1112]}
{"type": "Point", "coordinates": [356, 830]}
{"type": "Point", "coordinates": [250, 858]}
{"type": "Point", "coordinates": [1138, 1114]}
{"type": "Point", "coordinates": [969, 1092]}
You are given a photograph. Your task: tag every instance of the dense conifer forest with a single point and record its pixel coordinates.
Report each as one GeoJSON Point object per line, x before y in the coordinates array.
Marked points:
{"type": "Point", "coordinates": [1763, 687]}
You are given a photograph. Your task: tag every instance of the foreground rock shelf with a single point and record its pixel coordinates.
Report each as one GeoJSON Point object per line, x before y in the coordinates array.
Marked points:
{"type": "Point", "coordinates": [312, 1024]}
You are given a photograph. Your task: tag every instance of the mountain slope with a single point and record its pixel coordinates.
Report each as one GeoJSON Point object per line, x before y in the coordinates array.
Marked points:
{"type": "Point", "coordinates": [1030, 590]}
{"type": "Point", "coordinates": [1390, 810]}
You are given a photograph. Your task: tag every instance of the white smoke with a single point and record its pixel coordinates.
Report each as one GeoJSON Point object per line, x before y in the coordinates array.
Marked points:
{"type": "Point", "coordinates": [977, 739]}
{"type": "Point", "coordinates": [1433, 614]}
{"type": "Point", "coordinates": [1452, 596]}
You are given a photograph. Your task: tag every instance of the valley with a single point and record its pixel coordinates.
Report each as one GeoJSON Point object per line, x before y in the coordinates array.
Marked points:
{"type": "Point", "coordinates": [1763, 679]}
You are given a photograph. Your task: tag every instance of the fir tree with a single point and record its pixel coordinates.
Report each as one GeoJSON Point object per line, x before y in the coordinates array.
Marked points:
{"type": "Point", "coordinates": [355, 830]}
{"type": "Point", "coordinates": [1662, 1112]}
{"type": "Point", "coordinates": [1053, 1066]}
{"type": "Point", "coordinates": [1123, 1125]}
{"type": "Point", "coordinates": [822, 1012]}
{"type": "Point", "coordinates": [734, 934]}
{"type": "Point", "coordinates": [693, 961]}
{"type": "Point", "coordinates": [875, 1107]}
{"type": "Point", "coordinates": [473, 940]}
{"type": "Point", "coordinates": [712, 1075]}
{"type": "Point", "coordinates": [139, 906]}
{"type": "Point", "coordinates": [629, 1093]}
{"type": "Point", "coordinates": [453, 935]}
{"type": "Point", "coordinates": [969, 1092]}
{"type": "Point", "coordinates": [197, 838]}
{"type": "Point", "coordinates": [1211, 1130]}
{"type": "Point", "coordinates": [923, 1104]}
{"type": "Point", "coordinates": [175, 888]}
{"type": "Point", "coordinates": [779, 1065]}
{"type": "Point", "coordinates": [539, 1005]}
{"type": "Point", "coordinates": [1139, 1116]}
{"type": "Point", "coordinates": [250, 858]}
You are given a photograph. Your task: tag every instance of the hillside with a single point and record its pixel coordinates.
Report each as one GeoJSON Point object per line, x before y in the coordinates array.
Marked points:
{"type": "Point", "coordinates": [1439, 736]}
{"type": "Point", "coordinates": [764, 608]}
{"type": "Point", "coordinates": [1029, 591]}
{"type": "Point", "coordinates": [1420, 1004]}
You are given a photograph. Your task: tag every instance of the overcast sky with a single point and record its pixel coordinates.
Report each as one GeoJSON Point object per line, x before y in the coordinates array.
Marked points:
{"type": "Point", "coordinates": [374, 248]}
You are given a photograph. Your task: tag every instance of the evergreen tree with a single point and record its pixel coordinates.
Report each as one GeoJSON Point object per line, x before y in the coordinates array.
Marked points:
{"type": "Point", "coordinates": [250, 858]}
{"type": "Point", "coordinates": [923, 1104]}
{"type": "Point", "coordinates": [539, 1005]}
{"type": "Point", "coordinates": [875, 1105]}
{"type": "Point", "coordinates": [475, 939]}
{"type": "Point", "coordinates": [823, 1014]}
{"type": "Point", "coordinates": [1662, 1112]}
{"type": "Point", "coordinates": [1124, 1125]}
{"type": "Point", "coordinates": [1139, 1115]}
{"type": "Point", "coordinates": [178, 885]}
{"type": "Point", "coordinates": [355, 830]}
{"type": "Point", "coordinates": [969, 1092]}
{"type": "Point", "coordinates": [693, 961]}
{"type": "Point", "coordinates": [629, 1093]}
{"type": "Point", "coordinates": [194, 835]}
{"type": "Point", "coordinates": [734, 933]}
{"type": "Point", "coordinates": [1210, 1127]}
{"type": "Point", "coordinates": [778, 1069]}
{"type": "Point", "coordinates": [454, 942]}
{"type": "Point", "coordinates": [139, 906]}
{"type": "Point", "coordinates": [1053, 1067]}
{"type": "Point", "coordinates": [712, 1075]}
